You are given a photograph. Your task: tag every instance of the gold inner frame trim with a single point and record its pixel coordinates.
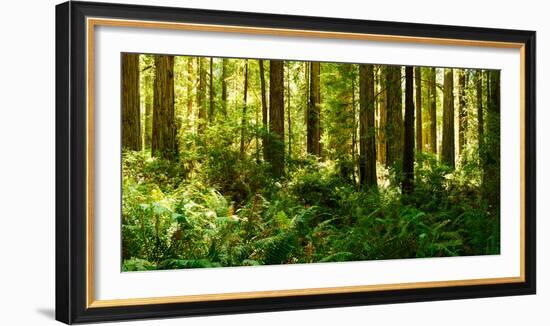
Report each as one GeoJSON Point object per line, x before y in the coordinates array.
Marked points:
{"type": "Point", "coordinates": [92, 22]}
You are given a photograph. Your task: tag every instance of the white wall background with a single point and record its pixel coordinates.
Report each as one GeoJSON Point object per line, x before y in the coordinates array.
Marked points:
{"type": "Point", "coordinates": [27, 161]}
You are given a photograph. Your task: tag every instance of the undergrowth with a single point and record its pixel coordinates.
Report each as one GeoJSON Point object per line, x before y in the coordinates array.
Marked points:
{"type": "Point", "coordinates": [227, 212]}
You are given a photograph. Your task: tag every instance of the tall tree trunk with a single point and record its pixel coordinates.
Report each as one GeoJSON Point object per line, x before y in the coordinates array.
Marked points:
{"type": "Point", "coordinates": [264, 109]}
{"type": "Point", "coordinates": [382, 116]}
{"type": "Point", "coordinates": [164, 128]}
{"type": "Point", "coordinates": [201, 96]}
{"type": "Point", "coordinates": [433, 111]}
{"type": "Point", "coordinates": [340, 114]}
{"type": "Point", "coordinates": [256, 134]}
{"type": "Point", "coordinates": [131, 129]}
{"type": "Point", "coordinates": [243, 117]}
{"type": "Point", "coordinates": [394, 127]}
{"type": "Point", "coordinates": [488, 104]}
{"type": "Point", "coordinates": [418, 107]}
{"type": "Point", "coordinates": [492, 149]}
{"type": "Point", "coordinates": [479, 100]}
{"type": "Point", "coordinates": [495, 92]}
{"type": "Point", "coordinates": [462, 112]}
{"type": "Point", "coordinates": [353, 128]}
{"type": "Point", "coordinates": [408, 148]}
{"type": "Point", "coordinates": [367, 143]}
{"type": "Point", "coordinates": [448, 140]}
{"type": "Point", "coordinates": [190, 82]}
{"type": "Point", "coordinates": [224, 87]}
{"type": "Point", "coordinates": [211, 110]}
{"type": "Point", "coordinates": [148, 81]}
{"type": "Point", "coordinates": [288, 116]}
{"type": "Point", "coordinates": [276, 117]}
{"type": "Point", "coordinates": [314, 110]}
{"type": "Point", "coordinates": [307, 77]}
{"type": "Point", "coordinates": [466, 120]}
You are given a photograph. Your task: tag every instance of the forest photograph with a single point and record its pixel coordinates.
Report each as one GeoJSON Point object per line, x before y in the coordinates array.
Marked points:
{"type": "Point", "coordinates": [245, 162]}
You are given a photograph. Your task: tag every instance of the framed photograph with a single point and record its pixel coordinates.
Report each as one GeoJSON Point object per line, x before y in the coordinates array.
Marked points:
{"type": "Point", "coordinates": [215, 162]}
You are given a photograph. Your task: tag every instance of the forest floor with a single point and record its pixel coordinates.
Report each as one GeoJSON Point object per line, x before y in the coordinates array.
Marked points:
{"type": "Point", "coordinates": [234, 213]}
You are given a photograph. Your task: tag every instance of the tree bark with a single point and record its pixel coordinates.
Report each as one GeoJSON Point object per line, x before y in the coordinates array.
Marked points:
{"type": "Point", "coordinates": [148, 81]}
{"type": "Point", "coordinates": [307, 78]}
{"type": "Point", "coordinates": [276, 117]}
{"type": "Point", "coordinates": [418, 107]}
{"type": "Point", "coordinates": [288, 115]}
{"type": "Point", "coordinates": [495, 92]}
{"type": "Point", "coordinates": [382, 116]}
{"type": "Point", "coordinates": [314, 110]}
{"type": "Point", "coordinates": [448, 140]}
{"type": "Point", "coordinates": [433, 112]}
{"type": "Point", "coordinates": [342, 126]}
{"type": "Point", "coordinates": [462, 113]}
{"type": "Point", "coordinates": [224, 87]}
{"type": "Point", "coordinates": [201, 96]}
{"type": "Point", "coordinates": [131, 129]}
{"type": "Point", "coordinates": [394, 127]}
{"type": "Point", "coordinates": [408, 148]}
{"type": "Point", "coordinates": [479, 99]}
{"type": "Point", "coordinates": [190, 82]}
{"type": "Point", "coordinates": [354, 125]}
{"type": "Point", "coordinates": [367, 143]}
{"type": "Point", "coordinates": [243, 116]}
{"type": "Point", "coordinates": [211, 93]}
{"type": "Point", "coordinates": [492, 138]}
{"type": "Point", "coordinates": [164, 129]}
{"type": "Point", "coordinates": [264, 110]}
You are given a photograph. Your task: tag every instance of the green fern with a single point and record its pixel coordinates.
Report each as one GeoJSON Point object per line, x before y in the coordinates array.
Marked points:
{"type": "Point", "coordinates": [277, 249]}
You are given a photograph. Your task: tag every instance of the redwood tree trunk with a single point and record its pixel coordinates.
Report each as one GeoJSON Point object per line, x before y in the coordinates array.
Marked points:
{"type": "Point", "coordinates": [418, 107]}
{"type": "Point", "coordinates": [211, 108]}
{"type": "Point", "coordinates": [201, 96]}
{"type": "Point", "coordinates": [190, 82]}
{"type": "Point", "coordinates": [394, 126]}
{"type": "Point", "coordinates": [264, 109]}
{"type": "Point", "coordinates": [164, 129]}
{"type": "Point", "coordinates": [288, 115]}
{"type": "Point", "coordinates": [314, 111]}
{"type": "Point", "coordinates": [243, 116]}
{"type": "Point", "coordinates": [408, 148]}
{"type": "Point", "coordinates": [307, 78]}
{"type": "Point", "coordinates": [433, 112]}
{"type": "Point", "coordinates": [492, 150]}
{"type": "Point", "coordinates": [224, 87]}
{"type": "Point", "coordinates": [382, 116]}
{"type": "Point", "coordinates": [276, 117]}
{"type": "Point", "coordinates": [367, 144]}
{"type": "Point", "coordinates": [462, 113]}
{"type": "Point", "coordinates": [148, 126]}
{"type": "Point", "coordinates": [479, 99]}
{"type": "Point", "coordinates": [354, 125]}
{"type": "Point", "coordinates": [131, 131]}
{"type": "Point", "coordinates": [448, 140]}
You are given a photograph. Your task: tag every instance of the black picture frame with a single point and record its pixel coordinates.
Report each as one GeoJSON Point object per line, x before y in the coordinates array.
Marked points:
{"type": "Point", "coordinates": [71, 158]}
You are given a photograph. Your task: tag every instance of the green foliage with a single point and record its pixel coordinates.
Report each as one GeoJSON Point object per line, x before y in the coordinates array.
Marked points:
{"type": "Point", "coordinates": [313, 215]}
{"type": "Point", "coordinates": [137, 264]}
{"type": "Point", "coordinates": [276, 249]}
